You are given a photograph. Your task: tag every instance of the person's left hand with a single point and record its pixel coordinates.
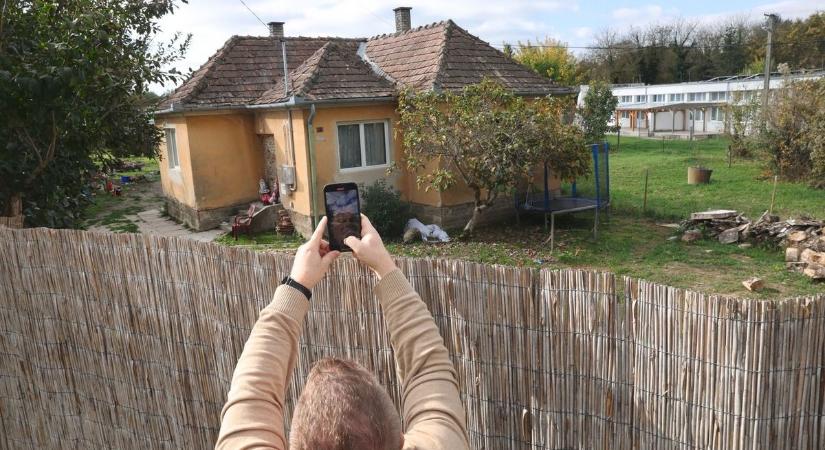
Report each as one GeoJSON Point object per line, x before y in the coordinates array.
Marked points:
{"type": "Point", "coordinates": [312, 260]}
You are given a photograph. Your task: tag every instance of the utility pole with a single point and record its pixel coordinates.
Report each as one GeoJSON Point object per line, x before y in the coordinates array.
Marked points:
{"type": "Point", "coordinates": [772, 18]}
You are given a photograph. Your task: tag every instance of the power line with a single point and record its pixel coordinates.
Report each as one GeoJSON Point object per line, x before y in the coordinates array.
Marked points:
{"type": "Point", "coordinates": [690, 47]}
{"type": "Point", "coordinates": [253, 13]}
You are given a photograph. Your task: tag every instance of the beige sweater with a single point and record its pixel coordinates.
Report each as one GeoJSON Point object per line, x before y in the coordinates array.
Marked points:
{"type": "Point", "coordinates": [253, 414]}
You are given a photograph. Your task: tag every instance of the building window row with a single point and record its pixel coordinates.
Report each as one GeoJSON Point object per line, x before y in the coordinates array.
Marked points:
{"type": "Point", "coordinates": [696, 96]}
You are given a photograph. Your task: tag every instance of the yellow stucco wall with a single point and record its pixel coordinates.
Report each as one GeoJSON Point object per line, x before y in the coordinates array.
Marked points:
{"type": "Point", "coordinates": [227, 159]}
{"type": "Point", "coordinates": [177, 183]}
{"type": "Point", "coordinates": [276, 123]}
{"type": "Point", "coordinates": [221, 157]}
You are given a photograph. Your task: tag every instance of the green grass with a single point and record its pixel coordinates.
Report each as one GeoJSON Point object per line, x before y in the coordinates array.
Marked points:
{"type": "Point", "coordinates": [263, 241]}
{"type": "Point", "coordinates": [626, 246]}
{"type": "Point", "coordinates": [111, 211]}
{"type": "Point", "coordinates": [745, 186]}
{"type": "Point", "coordinates": [633, 242]}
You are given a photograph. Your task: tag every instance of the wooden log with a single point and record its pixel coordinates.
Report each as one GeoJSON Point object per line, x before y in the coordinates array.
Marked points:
{"type": "Point", "coordinates": [754, 284]}
{"type": "Point", "coordinates": [729, 236]}
{"type": "Point", "coordinates": [815, 271]}
{"type": "Point", "coordinates": [792, 254]}
{"type": "Point", "coordinates": [811, 257]}
{"type": "Point", "coordinates": [714, 214]}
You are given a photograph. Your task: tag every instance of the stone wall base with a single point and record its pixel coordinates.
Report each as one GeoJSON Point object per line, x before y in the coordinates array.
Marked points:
{"type": "Point", "coordinates": [301, 222]}
{"type": "Point", "coordinates": [201, 219]}
{"type": "Point", "coordinates": [456, 216]}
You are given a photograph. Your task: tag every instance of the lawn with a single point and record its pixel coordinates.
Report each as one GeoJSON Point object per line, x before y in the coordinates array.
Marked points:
{"type": "Point", "coordinates": [745, 186]}
{"type": "Point", "coordinates": [635, 243]}
{"type": "Point", "coordinates": [114, 213]}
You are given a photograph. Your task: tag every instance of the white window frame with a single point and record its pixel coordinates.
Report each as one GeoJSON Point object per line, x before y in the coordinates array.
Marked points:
{"type": "Point", "coordinates": [717, 114]}
{"type": "Point", "coordinates": [626, 99]}
{"type": "Point", "coordinates": [658, 98]}
{"type": "Point", "coordinates": [625, 114]}
{"type": "Point", "coordinates": [166, 129]}
{"type": "Point", "coordinates": [676, 97]}
{"type": "Point", "coordinates": [641, 98]}
{"type": "Point", "coordinates": [361, 139]}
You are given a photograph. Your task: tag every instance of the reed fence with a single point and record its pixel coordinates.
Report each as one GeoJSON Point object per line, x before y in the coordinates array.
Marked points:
{"type": "Point", "coordinates": [11, 221]}
{"type": "Point", "coordinates": [127, 340]}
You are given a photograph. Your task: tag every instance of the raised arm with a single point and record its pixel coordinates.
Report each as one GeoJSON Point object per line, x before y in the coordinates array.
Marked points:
{"type": "Point", "coordinates": [431, 404]}
{"type": "Point", "coordinates": [253, 415]}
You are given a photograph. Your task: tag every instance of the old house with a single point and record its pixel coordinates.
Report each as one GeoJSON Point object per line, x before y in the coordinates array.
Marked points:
{"type": "Point", "coordinates": [302, 112]}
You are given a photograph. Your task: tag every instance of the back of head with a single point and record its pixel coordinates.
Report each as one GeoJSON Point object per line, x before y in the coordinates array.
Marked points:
{"type": "Point", "coordinates": [343, 407]}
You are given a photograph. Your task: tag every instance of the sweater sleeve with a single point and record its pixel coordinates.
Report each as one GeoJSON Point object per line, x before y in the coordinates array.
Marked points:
{"type": "Point", "coordinates": [431, 404]}
{"type": "Point", "coordinates": [253, 415]}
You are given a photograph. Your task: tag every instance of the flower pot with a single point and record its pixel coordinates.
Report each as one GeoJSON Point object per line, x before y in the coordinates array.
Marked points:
{"type": "Point", "coordinates": [699, 175]}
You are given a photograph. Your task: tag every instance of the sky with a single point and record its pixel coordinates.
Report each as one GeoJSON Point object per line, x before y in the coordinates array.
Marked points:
{"type": "Point", "coordinates": [212, 22]}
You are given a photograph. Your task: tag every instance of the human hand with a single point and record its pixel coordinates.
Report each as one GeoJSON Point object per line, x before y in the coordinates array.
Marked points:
{"type": "Point", "coordinates": [313, 258]}
{"type": "Point", "coordinates": [370, 249]}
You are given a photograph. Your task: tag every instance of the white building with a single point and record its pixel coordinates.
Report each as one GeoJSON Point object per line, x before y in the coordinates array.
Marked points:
{"type": "Point", "coordinates": [685, 108]}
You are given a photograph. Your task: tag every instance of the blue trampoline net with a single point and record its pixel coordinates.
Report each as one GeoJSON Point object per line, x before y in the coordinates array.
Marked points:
{"type": "Point", "coordinates": [545, 194]}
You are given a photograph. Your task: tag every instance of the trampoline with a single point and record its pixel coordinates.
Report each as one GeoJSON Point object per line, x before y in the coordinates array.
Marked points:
{"type": "Point", "coordinates": [545, 203]}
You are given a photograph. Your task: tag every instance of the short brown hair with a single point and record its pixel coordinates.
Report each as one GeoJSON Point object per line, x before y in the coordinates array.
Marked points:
{"type": "Point", "coordinates": [343, 407]}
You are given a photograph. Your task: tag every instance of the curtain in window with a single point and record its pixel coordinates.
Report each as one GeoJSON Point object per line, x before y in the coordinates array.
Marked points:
{"type": "Point", "coordinates": [375, 144]}
{"type": "Point", "coordinates": [349, 146]}
{"type": "Point", "coordinates": [171, 148]}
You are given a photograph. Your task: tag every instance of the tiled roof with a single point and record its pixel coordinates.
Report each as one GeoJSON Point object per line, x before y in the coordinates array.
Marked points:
{"type": "Point", "coordinates": [445, 56]}
{"type": "Point", "coordinates": [334, 71]}
{"type": "Point", "coordinates": [442, 56]}
{"type": "Point", "coordinates": [242, 70]}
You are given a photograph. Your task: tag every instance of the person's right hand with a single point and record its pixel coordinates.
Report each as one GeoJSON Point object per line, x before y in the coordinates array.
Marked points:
{"type": "Point", "coordinates": [370, 249]}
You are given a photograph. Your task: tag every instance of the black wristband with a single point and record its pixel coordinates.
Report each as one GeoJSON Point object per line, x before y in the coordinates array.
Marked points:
{"type": "Point", "coordinates": [290, 282]}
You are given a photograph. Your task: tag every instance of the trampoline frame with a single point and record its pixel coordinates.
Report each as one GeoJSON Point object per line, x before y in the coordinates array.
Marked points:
{"type": "Point", "coordinates": [585, 203]}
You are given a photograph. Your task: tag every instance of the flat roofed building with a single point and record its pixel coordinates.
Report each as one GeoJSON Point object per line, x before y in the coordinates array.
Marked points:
{"type": "Point", "coordinates": [688, 108]}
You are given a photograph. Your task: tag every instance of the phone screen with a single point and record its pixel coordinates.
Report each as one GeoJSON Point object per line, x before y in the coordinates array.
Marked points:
{"type": "Point", "coordinates": [343, 214]}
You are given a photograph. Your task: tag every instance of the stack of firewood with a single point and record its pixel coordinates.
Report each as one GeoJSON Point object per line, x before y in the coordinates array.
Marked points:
{"type": "Point", "coordinates": [803, 239]}
{"type": "Point", "coordinates": [284, 225]}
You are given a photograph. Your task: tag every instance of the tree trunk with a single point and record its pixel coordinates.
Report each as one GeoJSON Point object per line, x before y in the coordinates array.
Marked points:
{"type": "Point", "coordinates": [471, 224]}
{"type": "Point", "coordinates": [15, 205]}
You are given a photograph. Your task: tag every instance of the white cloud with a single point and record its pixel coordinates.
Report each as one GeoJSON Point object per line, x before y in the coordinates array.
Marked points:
{"type": "Point", "coordinates": [648, 12]}
{"type": "Point", "coordinates": [583, 32]}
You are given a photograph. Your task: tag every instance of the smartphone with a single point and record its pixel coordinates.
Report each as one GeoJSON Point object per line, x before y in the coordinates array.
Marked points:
{"type": "Point", "coordinates": [343, 214]}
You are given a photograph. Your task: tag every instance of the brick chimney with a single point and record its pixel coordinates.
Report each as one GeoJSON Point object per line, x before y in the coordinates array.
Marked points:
{"type": "Point", "coordinates": [402, 18]}
{"type": "Point", "coordinates": [276, 29]}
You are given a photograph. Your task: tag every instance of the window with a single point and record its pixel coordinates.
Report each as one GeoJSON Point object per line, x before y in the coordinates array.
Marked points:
{"type": "Point", "coordinates": [718, 96]}
{"type": "Point", "coordinates": [363, 145]}
{"type": "Point", "coordinates": [717, 114]}
{"type": "Point", "coordinates": [676, 97]}
{"type": "Point", "coordinates": [696, 96]}
{"type": "Point", "coordinates": [641, 98]}
{"type": "Point", "coordinates": [697, 115]}
{"type": "Point", "coordinates": [626, 99]}
{"type": "Point", "coordinates": [658, 98]}
{"type": "Point", "coordinates": [172, 148]}
{"type": "Point", "coordinates": [625, 114]}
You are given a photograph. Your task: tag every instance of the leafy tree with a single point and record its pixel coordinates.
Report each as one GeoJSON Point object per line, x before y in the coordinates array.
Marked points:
{"type": "Point", "coordinates": [742, 120]}
{"type": "Point", "coordinates": [599, 106]}
{"type": "Point", "coordinates": [486, 138]}
{"type": "Point", "coordinates": [793, 135]}
{"type": "Point", "coordinates": [74, 77]}
{"type": "Point", "coordinates": [551, 59]}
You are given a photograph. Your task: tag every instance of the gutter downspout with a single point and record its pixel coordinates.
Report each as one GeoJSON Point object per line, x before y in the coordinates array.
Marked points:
{"type": "Point", "coordinates": [311, 162]}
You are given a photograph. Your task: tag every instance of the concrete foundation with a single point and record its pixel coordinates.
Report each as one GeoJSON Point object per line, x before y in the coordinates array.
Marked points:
{"type": "Point", "coordinates": [456, 216]}
{"type": "Point", "coordinates": [201, 219]}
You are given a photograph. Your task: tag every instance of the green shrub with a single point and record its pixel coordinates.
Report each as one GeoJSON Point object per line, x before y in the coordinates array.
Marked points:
{"type": "Point", "coordinates": [387, 212]}
{"type": "Point", "coordinates": [794, 137]}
